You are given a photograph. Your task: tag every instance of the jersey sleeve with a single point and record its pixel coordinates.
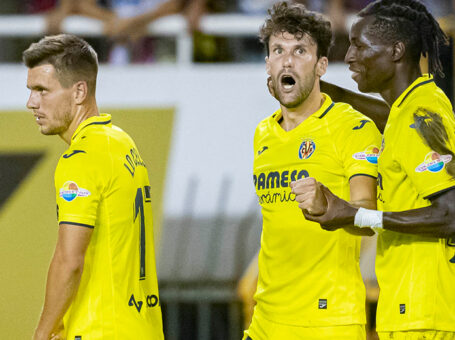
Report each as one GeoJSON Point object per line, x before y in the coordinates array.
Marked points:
{"type": "Point", "coordinates": [425, 167]}
{"type": "Point", "coordinates": [359, 146]}
{"type": "Point", "coordinates": [79, 186]}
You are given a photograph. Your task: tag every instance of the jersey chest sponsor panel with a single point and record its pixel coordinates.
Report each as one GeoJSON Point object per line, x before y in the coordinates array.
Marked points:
{"type": "Point", "coordinates": [105, 186]}
{"type": "Point", "coordinates": [414, 271]}
{"type": "Point", "coordinates": [304, 271]}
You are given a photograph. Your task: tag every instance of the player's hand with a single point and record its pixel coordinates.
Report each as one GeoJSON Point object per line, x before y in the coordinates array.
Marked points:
{"type": "Point", "coordinates": [338, 214]}
{"type": "Point", "coordinates": [308, 193]}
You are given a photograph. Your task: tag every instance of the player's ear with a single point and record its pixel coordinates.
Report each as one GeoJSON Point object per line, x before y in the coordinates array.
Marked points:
{"type": "Point", "coordinates": [398, 50]}
{"type": "Point", "coordinates": [321, 66]}
{"type": "Point", "coordinates": [267, 65]}
{"type": "Point", "coordinates": [80, 92]}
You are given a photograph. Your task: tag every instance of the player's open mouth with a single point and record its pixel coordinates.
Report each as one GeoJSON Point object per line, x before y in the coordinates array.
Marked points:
{"type": "Point", "coordinates": [287, 82]}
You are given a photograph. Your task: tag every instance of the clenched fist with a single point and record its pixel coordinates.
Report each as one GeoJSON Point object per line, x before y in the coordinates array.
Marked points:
{"type": "Point", "coordinates": [309, 194]}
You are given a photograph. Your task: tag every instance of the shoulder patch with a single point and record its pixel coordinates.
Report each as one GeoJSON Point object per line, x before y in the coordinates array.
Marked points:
{"type": "Point", "coordinates": [433, 162]}
{"type": "Point", "coordinates": [370, 154]}
{"type": "Point", "coordinates": [71, 190]}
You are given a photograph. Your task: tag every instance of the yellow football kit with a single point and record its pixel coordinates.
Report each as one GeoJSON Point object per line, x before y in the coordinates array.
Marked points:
{"type": "Point", "coordinates": [102, 183]}
{"type": "Point", "coordinates": [416, 274]}
{"type": "Point", "coordinates": [309, 277]}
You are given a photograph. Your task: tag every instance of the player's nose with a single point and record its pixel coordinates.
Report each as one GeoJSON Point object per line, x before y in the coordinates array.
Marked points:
{"type": "Point", "coordinates": [349, 57]}
{"type": "Point", "coordinates": [32, 102]}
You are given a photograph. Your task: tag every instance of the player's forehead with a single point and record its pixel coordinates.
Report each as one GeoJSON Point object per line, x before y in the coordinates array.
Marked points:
{"type": "Point", "coordinates": [360, 29]}
{"type": "Point", "coordinates": [289, 39]}
{"type": "Point", "coordinates": [41, 74]}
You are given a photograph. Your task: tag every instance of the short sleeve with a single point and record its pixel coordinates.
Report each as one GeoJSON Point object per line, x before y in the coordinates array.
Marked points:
{"type": "Point", "coordinates": [78, 190]}
{"type": "Point", "coordinates": [359, 146]}
{"type": "Point", "coordinates": [425, 167]}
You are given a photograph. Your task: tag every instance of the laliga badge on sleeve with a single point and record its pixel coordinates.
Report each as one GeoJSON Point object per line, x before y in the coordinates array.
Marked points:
{"type": "Point", "coordinates": [371, 154]}
{"type": "Point", "coordinates": [433, 162]}
{"type": "Point", "coordinates": [70, 191]}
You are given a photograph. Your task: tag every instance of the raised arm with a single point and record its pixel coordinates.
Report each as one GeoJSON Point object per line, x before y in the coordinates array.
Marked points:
{"type": "Point", "coordinates": [371, 107]}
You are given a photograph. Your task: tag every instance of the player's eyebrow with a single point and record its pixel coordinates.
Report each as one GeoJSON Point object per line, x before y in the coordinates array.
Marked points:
{"type": "Point", "coordinates": [36, 87]}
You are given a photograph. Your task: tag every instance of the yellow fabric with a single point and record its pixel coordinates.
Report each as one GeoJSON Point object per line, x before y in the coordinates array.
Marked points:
{"type": "Point", "coordinates": [308, 276]}
{"type": "Point", "coordinates": [101, 182]}
{"type": "Point", "coordinates": [269, 330]}
{"type": "Point", "coordinates": [417, 335]}
{"type": "Point", "coordinates": [415, 274]}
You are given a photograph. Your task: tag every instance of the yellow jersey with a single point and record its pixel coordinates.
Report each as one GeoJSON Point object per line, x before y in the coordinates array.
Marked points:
{"type": "Point", "coordinates": [308, 276]}
{"type": "Point", "coordinates": [416, 273]}
{"type": "Point", "coordinates": [102, 183]}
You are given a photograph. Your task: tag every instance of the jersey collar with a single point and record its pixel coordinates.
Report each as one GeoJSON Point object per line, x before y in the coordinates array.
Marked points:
{"type": "Point", "coordinates": [423, 80]}
{"type": "Point", "coordinates": [326, 106]}
{"type": "Point", "coordinates": [102, 119]}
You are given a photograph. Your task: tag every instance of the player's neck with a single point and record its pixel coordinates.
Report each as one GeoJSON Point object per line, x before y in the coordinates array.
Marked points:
{"type": "Point", "coordinates": [81, 113]}
{"type": "Point", "coordinates": [403, 78]}
{"type": "Point", "coordinates": [293, 117]}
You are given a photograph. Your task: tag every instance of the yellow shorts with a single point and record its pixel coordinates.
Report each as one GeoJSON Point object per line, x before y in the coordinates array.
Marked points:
{"type": "Point", "coordinates": [262, 329]}
{"type": "Point", "coordinates": [417, 335]}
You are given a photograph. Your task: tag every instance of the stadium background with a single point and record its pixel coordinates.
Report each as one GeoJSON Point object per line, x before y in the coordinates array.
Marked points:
{"type": "Point", "coordinates": [194, 125]}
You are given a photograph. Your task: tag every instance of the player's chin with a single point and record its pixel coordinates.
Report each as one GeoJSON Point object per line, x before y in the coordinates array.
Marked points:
{"type": "Point", "coordinates": [363, 86]}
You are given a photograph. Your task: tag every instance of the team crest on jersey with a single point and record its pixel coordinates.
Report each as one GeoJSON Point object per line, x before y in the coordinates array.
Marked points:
{"type": "Point", "coordinates": [434, 162]}
{"type": "Point", "coordinates": [371, 154]}
{"type": "Point", "coordinates": [306, 149]}
{"type": "Point", "coordinates": [70, 191]}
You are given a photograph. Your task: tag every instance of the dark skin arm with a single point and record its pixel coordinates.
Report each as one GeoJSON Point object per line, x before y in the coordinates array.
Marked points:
{"type": "Point", "coordinates": [371, 107]}
{"type": "Point", "coordinates": [436, 220]}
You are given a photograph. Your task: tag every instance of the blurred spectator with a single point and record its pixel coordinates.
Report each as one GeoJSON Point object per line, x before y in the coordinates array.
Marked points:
{"type": "Point", "coordinates": [64, 8]}
{"type": "Point", "coordinates": [444, 11]}
{"type": "Point", "coordinates": [125, 22]}
{"type": "Point", "coordinates": [248, 49]}
{"type": "Point", "coordinates": [129, 26]}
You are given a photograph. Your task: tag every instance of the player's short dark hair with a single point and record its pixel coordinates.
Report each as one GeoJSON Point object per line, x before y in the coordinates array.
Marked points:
{"type": "Point", "coordinates": [410, 22]}
{"type": "Point", "coordinates": [72, 57]}
{"type": "Point", "coordinates": [297, 20]}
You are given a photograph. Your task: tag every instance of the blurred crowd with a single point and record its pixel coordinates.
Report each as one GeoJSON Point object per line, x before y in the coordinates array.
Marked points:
{"type": "Point", "coordinates": [125, 23]}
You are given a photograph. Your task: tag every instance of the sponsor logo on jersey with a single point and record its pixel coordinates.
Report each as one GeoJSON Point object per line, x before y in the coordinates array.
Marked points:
{"type": "Point", "coordinates": [262, 150]}
{"type": "Point", "coordinates": [274, 180]}
{"type": "Point", "coordinates": [151, 301]}
{"type": "Point", "coordinates": [138, 304]}
{"type": "Point", "coordinates": [74, 152]}
{"type": "Point", "coordinates": [371, 154]}
{"type": "Point", "coordinates": [278, 179]}
{"type": "Point", "coordinates": [70, 191]}
{"type": "Point", "coordinates": [306, 149]}
{"type": "Point", "coordinates": [402, 308]}
{"type": "Point", "coordinates": [322, 303]}
{"type": "Point", "coordinates": [361, 125]}
{"type": "Point", "coordinates": [434, 162]}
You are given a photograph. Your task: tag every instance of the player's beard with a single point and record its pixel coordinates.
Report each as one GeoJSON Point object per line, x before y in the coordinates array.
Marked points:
{"type": "Point", "coordinates": [304, 91]}
{"type": "Point", "coordinates": [59, 124]}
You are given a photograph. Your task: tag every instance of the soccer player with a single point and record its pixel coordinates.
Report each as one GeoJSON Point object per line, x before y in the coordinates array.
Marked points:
{"type": "Point", "coordinates": [102, 280]}
{"type": "Point", "coordinates": [309, 284]}
{"type": "Point", "coordinates": [415, 263]}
